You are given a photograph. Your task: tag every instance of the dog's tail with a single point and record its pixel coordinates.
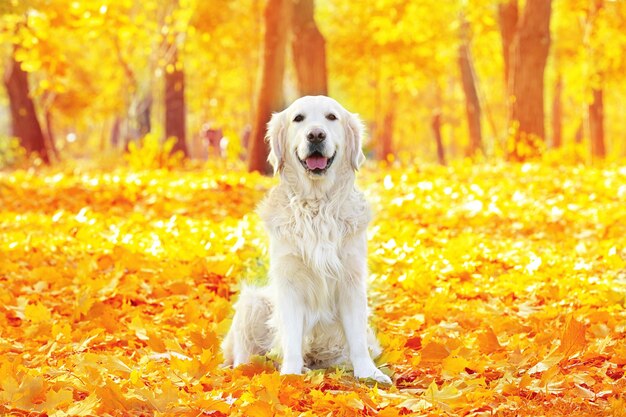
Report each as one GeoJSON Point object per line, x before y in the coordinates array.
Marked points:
{"type": "Point", "coordinates": [250, 332]}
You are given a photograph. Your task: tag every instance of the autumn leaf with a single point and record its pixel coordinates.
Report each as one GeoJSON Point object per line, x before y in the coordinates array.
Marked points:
{"type": "Point", "coordinates": [573, 339]}
{"type": "Point", "coordinates": [84, 407]}
{"type": "Point", "coordinates": [434, 352]}
{"type": "Point", "coordinates": [414, 343]}
{"type": "Point", "coordinates": [442, 397]}
{"type": "Point", "coordinates": [488, 341]}
{"type": "Point", "coordinates": [453, 365]}
{"type": "Point", "coordinates": [37, 313]}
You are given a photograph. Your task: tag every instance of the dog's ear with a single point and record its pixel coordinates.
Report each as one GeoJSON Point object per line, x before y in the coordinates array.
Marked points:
{"type": "Point", "coordinates": [354, 134]}
{"type": "Point", "coordinates": [276, 136]}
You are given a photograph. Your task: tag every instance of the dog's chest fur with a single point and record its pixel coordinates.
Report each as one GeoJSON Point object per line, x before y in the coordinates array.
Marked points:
{"type": "Point", "coordinates": [318, 230]}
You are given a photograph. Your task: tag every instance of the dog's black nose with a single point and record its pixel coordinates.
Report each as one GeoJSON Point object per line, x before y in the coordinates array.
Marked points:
{"type": "Point", "coordinates": [316, 135]}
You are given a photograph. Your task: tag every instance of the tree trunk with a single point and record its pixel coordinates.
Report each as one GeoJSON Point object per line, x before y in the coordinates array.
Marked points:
{"type": "Point", "coordinates": [472, 105]}
{"type": "Point", "coordinates": [309, 49]}
{"type": "Point", "coordinates": [529, 54]}
{"type": "Point", "coordinates": [507, 20]}
{"type": "Point", "coordinates": [578, 136]}
{"type": "Point", "coordinates": [596, 124]}
{"type": "Point", "coordinates": [386, 133]}
{"type": "Point", "coordinates": [270, 93]}
{"type": "Point", "coordinates": [50, 142]}
{"type": "Point", "coordinates": [175, 103]}
{"type": "Point", "coordinates": [24, 123]}
{"type": "Point", "coordinates": [144, 107]}
{"type": "Point", "coordinates": [557, 113]}
{"type": "Point", "coordinates": [596, 107]}
{"type": "Point", "coordinates": [116, 132]}
{"type": "Point", "coordinates": [436, 125]}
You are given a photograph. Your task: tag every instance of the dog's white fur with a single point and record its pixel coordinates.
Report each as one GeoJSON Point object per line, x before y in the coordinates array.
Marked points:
{"type": "Point", "coordinates": [313, 312]}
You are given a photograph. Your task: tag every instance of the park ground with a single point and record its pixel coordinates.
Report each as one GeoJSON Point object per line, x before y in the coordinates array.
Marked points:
{"type": "Point", "coordinates": [494, 289]}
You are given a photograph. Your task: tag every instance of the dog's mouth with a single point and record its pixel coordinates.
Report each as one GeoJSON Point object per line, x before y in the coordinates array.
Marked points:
{"type": "Point", "coordinates": [317, 163]}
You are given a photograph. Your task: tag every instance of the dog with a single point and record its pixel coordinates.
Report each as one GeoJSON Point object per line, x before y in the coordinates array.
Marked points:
{"type": "Point", "coordinates": [313, 312]}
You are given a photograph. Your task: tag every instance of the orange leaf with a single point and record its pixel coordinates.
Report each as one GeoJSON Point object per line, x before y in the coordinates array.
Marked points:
{"type": "Point", "coordinates": [258, 408]}
{"type": "Point", "coordinates": [434, 352]}
{"type": "Point", "coordinates": [488, 341]}
{"type": "Point", "coordinates": [573, 339]}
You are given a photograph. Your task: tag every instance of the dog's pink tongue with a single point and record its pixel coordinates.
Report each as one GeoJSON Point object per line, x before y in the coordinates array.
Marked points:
{"type": "Point", "coordinates": [316, 162]}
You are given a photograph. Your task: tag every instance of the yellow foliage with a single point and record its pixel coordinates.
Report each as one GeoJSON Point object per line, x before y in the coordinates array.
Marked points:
{"type": "Point", "coordinates": [151, 153]}
{"type": "Point", "coordinates": [495, 290]}
{"type": "Point", "coordinates": [11, 153]}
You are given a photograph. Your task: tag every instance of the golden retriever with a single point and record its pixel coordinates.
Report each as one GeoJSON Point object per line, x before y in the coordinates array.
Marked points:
{"type": "Point", "coordinates": [313, 312]}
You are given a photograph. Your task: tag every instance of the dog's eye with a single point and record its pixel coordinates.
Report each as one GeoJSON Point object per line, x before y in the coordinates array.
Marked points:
{"type": "Point", "coordinates": [298, 118]}
{"type": "Point", "coordinates": [331, 116]}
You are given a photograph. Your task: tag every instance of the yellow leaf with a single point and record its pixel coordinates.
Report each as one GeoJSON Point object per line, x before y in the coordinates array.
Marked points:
{"type": "Point", "coordinates": [56, 399]}
{"type": "Point", "coordinates": [37, 313]}
{"type": "Point", "coordinates": [31, 389]}
{"type": "Point", "coordinates": [61, 330]}
{"type": "Point", "coordinates": [445, 396]}
{"type": "Point", "coordinates": [155, 342]}
{"type": "Point", "coordinates": [134, 376]}
{"type": "Point", "coordinates": [454, 365]}
{"type": "Point", "coordinates": [391, 412]}
{"type": "Point", "coordinates": [415, 404]}
{"type": "Point", "coordinates": [549, 362]}
{"type": "Point", "coordinates": [258, 408]}
{"type": "Point", "coordinates": [214, 404]}
{"type": "Point", "coordinates": [85, 407]}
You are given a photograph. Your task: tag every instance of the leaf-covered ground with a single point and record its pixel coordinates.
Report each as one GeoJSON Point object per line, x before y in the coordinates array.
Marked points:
{"type": "Point", "coordinates": [494, 290]}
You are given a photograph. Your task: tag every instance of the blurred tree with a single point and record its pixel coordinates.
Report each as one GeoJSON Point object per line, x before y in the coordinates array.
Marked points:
{"type": "Point", "coordinates": [144, 118]}
{"type": "Point", "coordinates": [528, 54]}
{"type": "Point", "coordinates": [175, 101]}
{"type": "Point", "coordinates": [72, 93]}
{"type": "Point", "coordinates": [508, 16]}
{"type": "Point", "coordinates": [435, 124]}
{"type": "Point", "coordinates": [567, 72]}
{"type": "Point", "coordinates": [386, 127]}
{"type": "Point", "coordinates": [270, 87]}
{"type": "Point", "coordinates": [468, 80]}
{"type": "Point", "coordinates": [222, 54]}
{"type": "Point", "coordinates": [596, 123]}
{"type": "Point", "coordinates": [124, 94]}
{"type": "Point", "coordinates": [175, 29]}
{"type": "Point", "coordinates": [384, 69]}
{"type": "Point", "coordinates": [557, 113]}
{"type": "Point", "coordinates": [309, 49]}
{"type": "Point", "coordinates": [24, 122]}
{"type": "Point", "coordinates": [589, 40]}
{"type": "Point", "coordinates": [596, 106]}
{"type": "Point", "coordinates": [608, 65]}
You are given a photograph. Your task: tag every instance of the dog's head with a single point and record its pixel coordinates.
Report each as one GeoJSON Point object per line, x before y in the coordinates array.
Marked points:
{"type": "Point", "coordinates": [317, 135]}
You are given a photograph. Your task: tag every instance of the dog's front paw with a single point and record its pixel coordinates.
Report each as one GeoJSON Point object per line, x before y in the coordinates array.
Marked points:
{"type": "Point", "coordinates": [373, 373]}
{"type": "Point", "coordinates": [291, 368]}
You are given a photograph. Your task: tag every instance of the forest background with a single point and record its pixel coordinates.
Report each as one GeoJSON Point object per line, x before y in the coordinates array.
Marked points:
{"type": "Point", "coordinates": [132, 158]}
{"type": "Point", "coordinates": [479, 78]}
